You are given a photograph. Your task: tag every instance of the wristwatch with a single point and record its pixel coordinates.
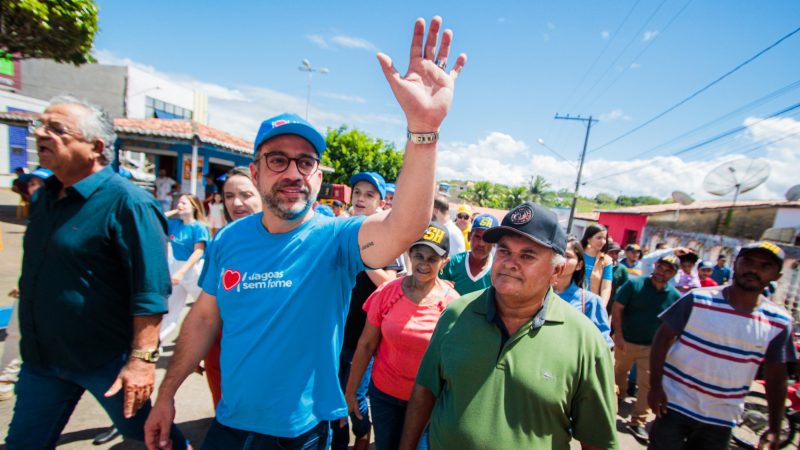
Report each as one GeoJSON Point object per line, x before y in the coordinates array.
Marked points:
{"type": "Point", "coordinates": [146, 355]}
{"type": "Point", "coordinates": [423, 138]}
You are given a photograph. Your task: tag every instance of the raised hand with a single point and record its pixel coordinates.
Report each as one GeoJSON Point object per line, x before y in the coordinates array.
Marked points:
{"type": "Point", "coordinates": [425, 92]}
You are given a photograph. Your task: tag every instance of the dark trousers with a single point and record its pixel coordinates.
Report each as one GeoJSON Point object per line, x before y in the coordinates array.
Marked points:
{"type": "Point", "coordinates": [388, 417]}
{"type": "Point", "coordinates": [675, 431]}
{"type": "Point", "coordinates": [221, 437]}
{"type": "Point", "coordinates": [47, 396]}
{"type": "Point", "coordinates": [361, 427]}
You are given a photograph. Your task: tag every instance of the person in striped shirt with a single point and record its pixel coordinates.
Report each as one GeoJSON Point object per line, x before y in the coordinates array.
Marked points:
{"type": "Point", "coordinates": [708, 349]}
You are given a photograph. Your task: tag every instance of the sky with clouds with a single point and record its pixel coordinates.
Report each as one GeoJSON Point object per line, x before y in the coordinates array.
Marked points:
{"type": "Point", "coordinates": [623, 63]}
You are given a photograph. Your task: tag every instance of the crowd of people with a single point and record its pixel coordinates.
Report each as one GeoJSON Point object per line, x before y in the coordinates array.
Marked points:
{"type": "Point", "coordinates": [396, 318]}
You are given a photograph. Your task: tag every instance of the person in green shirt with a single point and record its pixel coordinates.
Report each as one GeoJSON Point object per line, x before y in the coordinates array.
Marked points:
{"type": "Point", "coordinates": [469, 270]}
{"type": "Point", "coordinates": [635, 321]}
{"type": "Point", "coordinates": [513, 366]}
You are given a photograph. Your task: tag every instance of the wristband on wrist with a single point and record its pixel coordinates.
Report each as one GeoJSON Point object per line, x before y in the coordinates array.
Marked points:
{"type": "Point", "coordinates": [423, 138]}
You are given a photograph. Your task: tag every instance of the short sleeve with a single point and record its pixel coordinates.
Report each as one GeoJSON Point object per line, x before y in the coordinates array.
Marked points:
{"type": "Point", "coordinates": [593, 408]}
{"type": "Point", "coordinates": [608, 272]}
{"type": "Point", "coordinates": [677, 315]}
{"type": "Point", "coordinates": [209, 277]}
{"type": "Point", "coordinates": [374, 305]}
{"type": "Point", "coordinates": [347, 237]}
{"type": "Point", "coordinates": [141, 239]}
{"type": "Point", "coordinates": [624, 293]}
{"type": "Point", "coordinates": [447, 271]}
{"type": "Point", "coordinates": [781, 348]}
{"type": "Point", "coordinates": [201, 234]}
{"type": "Point", "coordinates": [397, 265]}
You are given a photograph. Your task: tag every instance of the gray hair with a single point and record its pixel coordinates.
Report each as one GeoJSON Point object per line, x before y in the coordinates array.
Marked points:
{"type": "Point", "coordinates": [557, 259]}
{"type": "Point", "coordinates": [95, 125]}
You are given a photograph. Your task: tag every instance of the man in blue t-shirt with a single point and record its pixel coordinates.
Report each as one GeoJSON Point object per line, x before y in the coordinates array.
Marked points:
{"type": "Point", "coordinates": [281, 280]}
{"type": "Point", "coordinates": [721, 274]}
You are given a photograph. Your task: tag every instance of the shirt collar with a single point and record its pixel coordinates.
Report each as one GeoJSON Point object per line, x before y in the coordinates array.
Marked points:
{"type": "Point", "coordinates": [545, 314]}
{"type": "Point", "coordinates": [570, 291]}
{"type": "Point", "coordinates": [86, 187]}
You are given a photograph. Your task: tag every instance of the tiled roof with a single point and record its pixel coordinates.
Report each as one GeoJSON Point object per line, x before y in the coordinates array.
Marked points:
{"type": "Point", "coordinates": [168, 128]}
{"type": "Point", "coordinates": [699, 205]}
{"type": "Point", "coordinates": [591, 216]}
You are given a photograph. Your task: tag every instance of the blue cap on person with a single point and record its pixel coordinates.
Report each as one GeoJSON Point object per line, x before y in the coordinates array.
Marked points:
{"type": "Point", "coordinates": [42, 173]}
{"type": "Point", "coordinates": [390, 187]}
{"type": "Point", "coordinates": [484, 222]}
{"type": "Point", "coordinates": [289, 124]}
{"type": "Point", "coordinates": [534, 222]}
{"type": "Point", "coordinates": [372, 178]}
{"type": "Point", "coordinates": [325, 210]}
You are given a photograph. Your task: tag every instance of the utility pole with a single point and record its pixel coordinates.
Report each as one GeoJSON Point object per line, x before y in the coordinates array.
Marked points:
{"type": "Point", "coordinates": [306, 67]}
{"type": "Point", "coordinates": [589, 121]}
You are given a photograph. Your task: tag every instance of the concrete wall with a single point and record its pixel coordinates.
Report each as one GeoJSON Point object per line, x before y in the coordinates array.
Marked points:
{"type": "Point", "coordinates": [747, 223]}
{"type": "Point", "coordinates": [103, 85]}
{"type": "Point", "coordinates": [143, 84]}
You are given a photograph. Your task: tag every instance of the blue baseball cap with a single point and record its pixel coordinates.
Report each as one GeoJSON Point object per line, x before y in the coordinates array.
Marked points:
{"type": "Point", "coordinates": [42, 173]}
{"type": "Point", "coordinates": [484, 222]}
{"type": "Point", "coordinates": [390, 187]}
{"type": "Point", "coordinates": [372, 178]}
{"type": "Point", "coordinates": [324, 210]}
{"type": "Point", "coordinates": [289, 124]}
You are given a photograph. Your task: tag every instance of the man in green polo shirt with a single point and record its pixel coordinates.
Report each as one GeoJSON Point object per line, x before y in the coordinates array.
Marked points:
{"type": "Point", "coordinates": [513, 366]}
{"type": "Point", "coordinates": [637, 306]}
{"type": "Point", "coordinates": [93, 287]}
{"type": "Point", "coordinates": [470, 271]}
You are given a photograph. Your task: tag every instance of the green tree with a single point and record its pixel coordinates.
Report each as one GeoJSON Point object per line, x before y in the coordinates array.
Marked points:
{"type": "Point", "coordinates": [516, 196]}
{"type": "Point", "coordinates": [482, 193]}
{"type": "Point", "coordinates": [352, 151]}
{"type": "Point", "coordinates": [537, 186]}
{"type": "Point", "coordinates": [62, 30]}
{"type": "Point", "coordinates": [603, 198]}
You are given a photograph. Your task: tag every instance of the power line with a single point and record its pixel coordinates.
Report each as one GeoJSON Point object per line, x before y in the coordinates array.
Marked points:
{"type": "Point", "coordinates": [608, 44]}
{"type": "Point", "coordinates": [698, 92]}
{"type": "Point", "coordinates": [763, 99]}
{"type": "Point", "coordinates": [639, 55]}
{"type": "Point", "coordinates": [710, 140]}
{"type": "Point", "coordinates": [631, 41]}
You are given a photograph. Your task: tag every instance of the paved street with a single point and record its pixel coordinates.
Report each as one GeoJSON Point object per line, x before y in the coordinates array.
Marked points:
{"type": "Point", "coordinates": [193, 401]}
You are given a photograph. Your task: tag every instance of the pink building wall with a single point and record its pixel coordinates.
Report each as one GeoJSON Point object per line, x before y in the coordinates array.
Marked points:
{"type": "Point", "coordinates": [622, 225]}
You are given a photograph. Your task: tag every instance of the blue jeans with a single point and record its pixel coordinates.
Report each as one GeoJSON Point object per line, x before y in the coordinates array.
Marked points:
{"type": "Point", "coordinates": [341, 435]}
{"type": "Point", "coordinates": [675, 431]}
{"type": "Point", "coordinates": [388, 416]}
{"type": "Point", "coordinates": [46, 398]}
{"type": "Point", "coordinates": [221, 437]}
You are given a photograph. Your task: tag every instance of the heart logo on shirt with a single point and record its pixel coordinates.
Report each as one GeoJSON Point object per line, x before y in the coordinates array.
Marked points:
{"type": "Point", "coordinates": [231, 278]}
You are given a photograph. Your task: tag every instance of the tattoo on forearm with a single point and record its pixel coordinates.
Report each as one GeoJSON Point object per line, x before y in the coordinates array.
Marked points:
{"type": "Point", "coordinates": [368, 245]}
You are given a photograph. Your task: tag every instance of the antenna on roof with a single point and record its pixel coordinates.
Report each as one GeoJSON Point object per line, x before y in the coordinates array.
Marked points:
{"type": "Point", "coordinates": [682, 197]}
{"type": "Point", "coordinates": [793, 194]}
{"type": "Point", "coordinates": [739, 176]}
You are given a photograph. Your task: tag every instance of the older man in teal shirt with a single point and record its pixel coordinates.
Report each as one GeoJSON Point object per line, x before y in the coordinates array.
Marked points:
{"type": "Point", "coordinates": [93, 287]}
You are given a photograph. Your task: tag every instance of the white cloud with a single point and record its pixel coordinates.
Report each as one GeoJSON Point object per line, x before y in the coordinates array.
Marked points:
{"type": "Point", "coordinates": [635, 66]}
{"type": "Point", "coordinates": [353, 42]}
{"type": "Point", "coordinates": [503, 159]}
{"type": "Point", "coordinates": [239, 110]}
{"type": "Point", "coordinates": [615, 114]}
{"type": "Point", "coordinates": [605, 34]}
{"type": "Point", "coordinates": [648, 35]}
{"type": "Point", "coordinates": [318, 40]}
{"type": "Point", "coordinates": [342, 97]}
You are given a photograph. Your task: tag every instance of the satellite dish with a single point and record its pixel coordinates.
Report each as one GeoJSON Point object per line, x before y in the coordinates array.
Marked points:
{"type": "Point", "coordinates": [793, 194]}
{"type": "Point", "coordinates": [741, 175]}
{"type": "Point", "coordinates": [682, 197]}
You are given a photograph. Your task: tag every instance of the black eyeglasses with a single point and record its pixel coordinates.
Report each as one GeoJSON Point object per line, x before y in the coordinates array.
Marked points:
{"type": "Point", "coordinates": [55, 128]}
{"type": "Point", "coordinates": [279, 162]}
{"type": "Point", "coordinates": [462, 216]}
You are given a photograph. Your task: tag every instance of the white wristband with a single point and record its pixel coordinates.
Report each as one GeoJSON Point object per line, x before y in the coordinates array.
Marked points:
{"type": "Point", "coordinates": [423, 138]}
